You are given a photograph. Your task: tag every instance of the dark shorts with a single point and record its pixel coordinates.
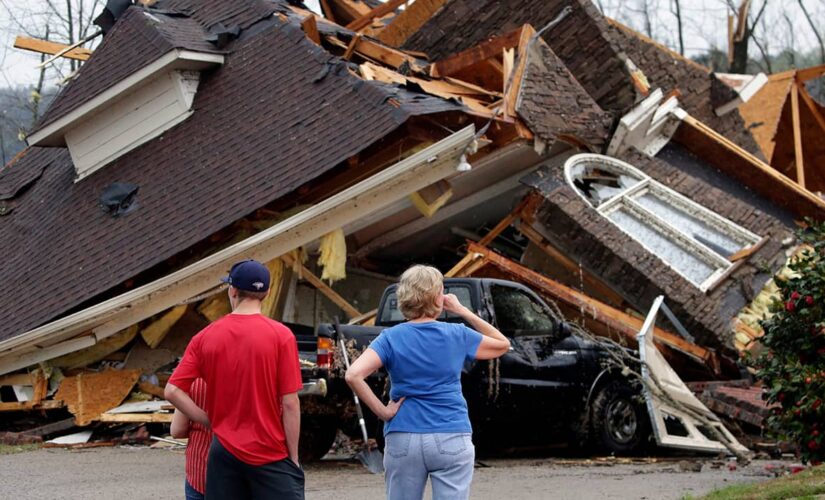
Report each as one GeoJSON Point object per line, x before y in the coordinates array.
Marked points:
{"type": "Point", "coordinates": [229, 478]}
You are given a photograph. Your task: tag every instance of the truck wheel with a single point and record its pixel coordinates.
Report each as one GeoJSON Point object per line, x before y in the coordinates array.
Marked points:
{"type": "Point", "coordinates": [317, 436]}
{"type": "Point", "coordinates": [619, 419]}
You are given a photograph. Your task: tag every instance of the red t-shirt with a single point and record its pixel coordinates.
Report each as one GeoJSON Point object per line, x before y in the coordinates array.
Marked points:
{"type": "Point", "coordinates": [248, 363]}
{"type": "Point", "coordinates": [197, 449]}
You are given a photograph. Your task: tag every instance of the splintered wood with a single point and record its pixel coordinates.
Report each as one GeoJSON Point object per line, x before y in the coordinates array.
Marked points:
{"type": "Point", "coordinates": [90, 394]}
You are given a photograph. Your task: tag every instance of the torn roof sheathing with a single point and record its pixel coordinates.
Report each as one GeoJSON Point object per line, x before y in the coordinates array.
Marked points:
{"type": "Point", "coordinates": [280, 112]}
{"type": "Point", "coordinates": [763, 111]}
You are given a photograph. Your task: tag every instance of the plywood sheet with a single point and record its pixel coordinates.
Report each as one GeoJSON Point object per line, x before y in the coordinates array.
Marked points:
{"type": "Point", "coordinates": [763, 111]}
{"type": "Point", "coordinates": [90, 394]}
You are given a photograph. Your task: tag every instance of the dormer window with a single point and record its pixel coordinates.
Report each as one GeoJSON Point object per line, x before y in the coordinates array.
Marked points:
{"type": "Point", "coordinates": [132, 112]}
{"type": "Point", "coordinates": [696, 242]}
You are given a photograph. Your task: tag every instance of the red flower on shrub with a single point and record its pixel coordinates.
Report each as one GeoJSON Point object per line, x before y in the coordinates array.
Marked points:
{"type": "Point", "coordinates": [813, 445]}
{"type": "Point", "coordinates": [809, 300]}
{"type": "Point", "coordinates": [816, 404]}
{"type": "Point", "coordinates": [794, 295]}
{"type": "Point", "coordinates": [789, 306]}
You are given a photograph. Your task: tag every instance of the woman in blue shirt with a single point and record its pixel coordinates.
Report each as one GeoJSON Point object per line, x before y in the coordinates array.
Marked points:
{"type": "Point", "coordinates": [427, 430]}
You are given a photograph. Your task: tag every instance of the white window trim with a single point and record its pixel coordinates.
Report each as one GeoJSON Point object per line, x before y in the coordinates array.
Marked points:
{"type": "Point", "coordinates": [627, 200]}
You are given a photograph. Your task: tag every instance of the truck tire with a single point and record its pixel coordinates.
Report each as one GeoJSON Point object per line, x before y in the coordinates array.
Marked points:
{"type": "Point", "coordinates": [619, 419]}
{"type": "Point", "coordinates": [317, 436]}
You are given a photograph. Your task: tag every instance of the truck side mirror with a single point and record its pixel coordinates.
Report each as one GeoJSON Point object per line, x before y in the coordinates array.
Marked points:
{"type": "Point", "coordinates": [562, 330]}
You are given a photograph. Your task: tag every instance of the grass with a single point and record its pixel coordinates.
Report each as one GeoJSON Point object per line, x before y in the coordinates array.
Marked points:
{"type": "Point", "coordinates": [803, 485]}
{"type": "Point", "coordinates": [6, 449]}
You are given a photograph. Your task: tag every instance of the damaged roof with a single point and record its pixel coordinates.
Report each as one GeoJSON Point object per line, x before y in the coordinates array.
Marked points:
{"type": "Point", "coordinates": [280, 112]}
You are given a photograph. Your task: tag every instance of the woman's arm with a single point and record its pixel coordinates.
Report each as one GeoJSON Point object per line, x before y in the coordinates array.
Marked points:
{"type": "Point", "coordinates": [184, 403]}
{"type": "Point", "coordinates": [180, 425]}
{"type": "Point", "coordinates": [368, 363]}
{"type": "Point", "coordinates": [494, 343]}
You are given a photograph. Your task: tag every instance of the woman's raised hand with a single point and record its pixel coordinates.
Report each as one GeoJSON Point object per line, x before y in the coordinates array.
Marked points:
{"type": "Point", "coordinates": [452, 304]}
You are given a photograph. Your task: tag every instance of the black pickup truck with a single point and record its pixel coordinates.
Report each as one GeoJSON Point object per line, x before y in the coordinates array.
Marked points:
{"type": "Point", "coordinates": [553, 387]}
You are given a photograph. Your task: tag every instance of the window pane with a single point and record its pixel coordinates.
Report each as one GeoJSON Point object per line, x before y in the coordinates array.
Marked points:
{"type": "Point", "coordinates": [517, 313]}
{"type": "Point", "coordinates": [600, 181]}
{"type": "Point", "coordinates": [462, 293]}
{"type": "Point", "coordinates": [689, 225]}
{"type": "Point", "coordinates": [690, 266]}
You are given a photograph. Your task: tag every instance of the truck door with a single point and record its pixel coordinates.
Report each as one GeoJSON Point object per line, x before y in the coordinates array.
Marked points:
{"type": "Point", "coordinates": [537, 378]}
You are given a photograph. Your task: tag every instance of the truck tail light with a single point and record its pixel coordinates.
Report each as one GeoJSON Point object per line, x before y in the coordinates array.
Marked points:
{"type": "Point", "coordinates": [324, 355]}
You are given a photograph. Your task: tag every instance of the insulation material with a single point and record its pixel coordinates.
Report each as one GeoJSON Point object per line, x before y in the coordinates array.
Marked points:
{"type": "Point", "coordinates": [90, 394]}
{"type": "Point", "coordinates": [97, 352]}
{"type": "Point", "coordinates": [430, 199]}
{"type": "Point", "coordinates": [157, 330]}
{"type": "Point", "coordinates": [276, 273]}
{"type": "Point", "coordinates": [215, 307]}
{"type": "Point", "coordinates": [333, 256]}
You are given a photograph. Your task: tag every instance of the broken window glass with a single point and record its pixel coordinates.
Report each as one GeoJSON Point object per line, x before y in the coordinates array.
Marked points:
{"type": "Point", "coordinates": [519, 314]}
{"type": "Point", "coordinates": [690, 238]}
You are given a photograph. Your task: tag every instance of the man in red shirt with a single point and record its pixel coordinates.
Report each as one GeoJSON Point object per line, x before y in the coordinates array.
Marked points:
{"type": "Point", "coordinates": [250, 365]}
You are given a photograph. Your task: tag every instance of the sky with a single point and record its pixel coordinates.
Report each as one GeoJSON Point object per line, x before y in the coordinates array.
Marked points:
{"type": "Point", "coordinates": [705, 26]}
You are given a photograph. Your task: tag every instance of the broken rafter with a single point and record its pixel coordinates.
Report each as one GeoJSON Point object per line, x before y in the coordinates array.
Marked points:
{"type": "Point", "coordinates": [592, 311]}
{"type": "Point", "coordinates": [310, 27]}
{"type": "Point", "coordinates": [812, 106]}
{"type": "Point", "coordinates": [380, 11]}
{"type": "Point", "coordinates": [409, 21]}
{"type": "Point", "coordinates": [803, 75]}
{"type": "Point", "coordinates": [322, 287]}
{"type": "Point", "coordinates": [799, 159]}
{"type": "Point", "coordinates": [492, 48]}
{"type": "Point", "coordinates": [51, 48]}
{"type": "Point", "coordinates": [514, 79]}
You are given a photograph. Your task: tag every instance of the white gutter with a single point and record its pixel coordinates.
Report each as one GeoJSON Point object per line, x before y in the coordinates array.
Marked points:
{"type": "Point", "coordinates": [107, 318]}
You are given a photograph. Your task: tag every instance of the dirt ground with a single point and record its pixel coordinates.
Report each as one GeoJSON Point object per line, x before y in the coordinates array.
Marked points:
{"type": "Point", "coordinates": [142, 473]}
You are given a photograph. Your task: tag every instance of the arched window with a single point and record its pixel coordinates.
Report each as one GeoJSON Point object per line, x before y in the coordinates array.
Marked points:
{"type": "Point", "coordinates": [696, 242]}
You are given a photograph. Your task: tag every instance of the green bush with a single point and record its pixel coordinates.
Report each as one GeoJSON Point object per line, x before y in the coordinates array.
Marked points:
{"type": "Point", "coordinates": [792, 363]}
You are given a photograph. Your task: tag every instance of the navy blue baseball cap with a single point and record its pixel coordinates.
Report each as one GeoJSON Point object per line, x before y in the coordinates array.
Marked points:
{"type": "Point", "coordinates": [249, 275]}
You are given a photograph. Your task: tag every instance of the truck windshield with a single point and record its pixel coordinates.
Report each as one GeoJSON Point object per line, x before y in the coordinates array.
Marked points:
{"type": "Point", "coordinates": [391, 314]}
{"type": "Point", "coordinates": [520, 314]}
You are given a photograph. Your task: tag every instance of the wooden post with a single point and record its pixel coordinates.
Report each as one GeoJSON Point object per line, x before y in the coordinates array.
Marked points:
{"type": "Point", "coordinates": [797, 137]}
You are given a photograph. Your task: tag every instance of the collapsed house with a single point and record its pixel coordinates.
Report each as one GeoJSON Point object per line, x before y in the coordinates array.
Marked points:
{"type": "Point", "coordinates": [202, 132]}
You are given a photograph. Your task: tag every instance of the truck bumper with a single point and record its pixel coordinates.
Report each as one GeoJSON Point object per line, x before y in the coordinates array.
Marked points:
{"type": "Point", "coordinates": [316, 387]}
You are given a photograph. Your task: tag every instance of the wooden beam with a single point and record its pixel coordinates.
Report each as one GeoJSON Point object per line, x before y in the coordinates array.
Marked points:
{"type": "Point", "coordinates": [50, 48]}
{"type": "Point", "coordinates": [151, 389]}
{"type": "Point", "coordinates": [322, 287]}
{"type": "Point", "coordinates": [803, 75]}
{"type": "Point", "coordinates": [797, 137]}
{"type": "Point", "coordinates": [409, 21]}
{"type": "Point", "coordinates": [593, 310]}
{"type": "Point", "coordinates": [380, 11]}
{"type": "Point", "coordinates": [744, 167]}
{"type": "Point", "coordinates": [351, 47]}
{"type": "Point", "coordinates": [17, 379]}
{"type": "Point", "coordinates": [137, 418]}
{"type": "Point", "coordinates": [310, 27]}
{"type": "Point", "coordinates": [386, 55]}
{"type": "Point", "coordinates": [513, 80]}
{"type": "Point", "coordinates": [481, 52]}
{"type": "Point", "coordinates": [51, 404]}
{"type": "Point", "coordinates": [812, 106]}
{"type": "Point", "coordinates": [326, 8]}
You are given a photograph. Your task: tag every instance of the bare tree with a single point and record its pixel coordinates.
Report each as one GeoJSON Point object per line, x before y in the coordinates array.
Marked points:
{"type": "Point", "coordinates": [816, 32]}
{"type": "Point", "coordinates": [676, 10]}
{"type": "Point", "coordinates": [743, 33]}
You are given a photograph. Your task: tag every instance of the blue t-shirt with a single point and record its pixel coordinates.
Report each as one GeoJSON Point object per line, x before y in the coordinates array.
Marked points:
{"type": "Point", "coordinates": [424, 361]}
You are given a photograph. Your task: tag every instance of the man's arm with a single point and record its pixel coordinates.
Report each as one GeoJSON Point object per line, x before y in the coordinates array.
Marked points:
{"type": "Point", "coordinates": [180, 425]}
{"type": "Point", "coordinates": [184, 403]}
{"type": "Point", "coordinates": [291, 417]}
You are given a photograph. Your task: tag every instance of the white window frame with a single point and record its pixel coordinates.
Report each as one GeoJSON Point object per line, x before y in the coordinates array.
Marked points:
{"type": "Point", "coordinates": [627, 201]}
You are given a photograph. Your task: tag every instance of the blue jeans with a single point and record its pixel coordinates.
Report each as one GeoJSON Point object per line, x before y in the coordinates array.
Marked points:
{"type": "Point", "coordinates": [192, 493]}
{"type": "Point", "coordinates": [411, 458]}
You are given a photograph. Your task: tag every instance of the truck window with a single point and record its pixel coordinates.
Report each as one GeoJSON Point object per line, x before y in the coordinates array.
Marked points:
{"type": "Point", "coordinates": [520, 314]}
{"type": "Point", "coordinates": [391, 314]}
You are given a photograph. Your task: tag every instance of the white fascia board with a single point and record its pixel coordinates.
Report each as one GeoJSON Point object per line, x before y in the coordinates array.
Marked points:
{"type": "Point", "coordinates": [52, 135]}
{"type": "Point", "coordinates": [744, 94]}
{"type": "Point", "coordinates": [368, 196]}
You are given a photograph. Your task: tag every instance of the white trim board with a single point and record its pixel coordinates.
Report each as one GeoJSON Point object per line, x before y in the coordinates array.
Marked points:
{"type": "Point", "coordinates": [370, 195]}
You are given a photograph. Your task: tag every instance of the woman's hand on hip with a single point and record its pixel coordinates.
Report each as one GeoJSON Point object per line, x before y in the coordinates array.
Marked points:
{"type": "Point", "coordinates": [391, 409]}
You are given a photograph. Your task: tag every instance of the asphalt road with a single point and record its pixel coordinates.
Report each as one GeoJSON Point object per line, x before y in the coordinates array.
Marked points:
{"type": "Point", "coordinates": [142, 473]}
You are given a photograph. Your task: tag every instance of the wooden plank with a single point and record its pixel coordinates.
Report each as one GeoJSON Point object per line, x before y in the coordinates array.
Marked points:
{"type": "Point", "coordinates": [17, 379]}
{"type": "Point", "coordinates": [51, 404]}
{"type": "Point", "coordinates": [490, 49]}
{"type": "Point", "coordinates": [514, 79]}
{"type": "Point", "coordinates": [322, 287]}
{"type": "Point", "coordinates": [51, 48]}
{"type": "Point", "coordinates": [151, 389]}
{"type": "Point", "coordinates": [154, 334]}
{"type": "Point", "coordinates": [326, 8]}
{"type": "Point", "coordinates": [508, 64]}
{"type": "Point", "coordinates": [409, 21]}
{"type": "Point", "coordinates": [96, 352]}
{"type": "Point", "coordinates": [90, 394]}
{"type": "Point", "coordinates": [310, 27]}
{"type": "Point", "coordinates": [797, 137]}
{"type": "Point", "coordinates": [812, 106]}
{"type": "Point", "coordinates": [593, 311]}
{"type": "Point", "coordinates": [803, 75]}
{"type": "Point", "coordinates": [351, 47]}
{"type": "Point", "coordinates": [137, 418]}
{"type": "Point", "coordinates": [734, 161]}
{"type": "Point", "coordinates": [386, 55]}
{"type": "Point", "coordinates": [52, 428]}
{"type": "Point", "coordinates": [380, 11]}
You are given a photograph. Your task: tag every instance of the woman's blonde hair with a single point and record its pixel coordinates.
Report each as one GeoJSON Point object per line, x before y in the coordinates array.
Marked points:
{"type": "Point", "coordinates": [418, 291]}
